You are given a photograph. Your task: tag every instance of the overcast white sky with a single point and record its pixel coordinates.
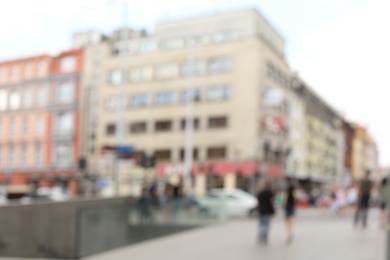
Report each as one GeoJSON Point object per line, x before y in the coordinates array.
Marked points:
{"type": "Point", "coordinates": [340, 47]}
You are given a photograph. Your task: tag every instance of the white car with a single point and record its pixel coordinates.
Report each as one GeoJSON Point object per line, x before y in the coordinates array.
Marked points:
{"type": "Point", "coordinates": [236, 202]}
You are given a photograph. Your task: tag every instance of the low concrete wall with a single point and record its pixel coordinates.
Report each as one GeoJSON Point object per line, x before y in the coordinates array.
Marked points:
{"type": "Point", "coordinates": [53, 230]}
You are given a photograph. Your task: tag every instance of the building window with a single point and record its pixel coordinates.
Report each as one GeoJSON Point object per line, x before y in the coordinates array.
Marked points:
{"type": "Point", "coordinates": [218, 93]}
{"type": "Point", "coordinates": [138, 127]}
{"type": "Point", "coordinates": [42, 68]}
{"type": "Point", "coordinates": [115, 77]}
{"type": "Point", "coordinates": [193, 68]}
{"type": "Point", "coordinates": [1, 128]}
{"type": "Point", "coordinates": [110, 129]}
{"type": "Point", "coordinates": [141, 100]}
{"type": "Point", "coordinates": [68, 64]}
{"type": "Point", "coordinates": [220, 64]}
{"type": "Point", "coordinates": [65, 92]}
{"type": "Point", "coordinates": [64, 123]}
{"type": "Point", "coordinates": [42, 96]}
{"type": "Point", "coordinates": [14, 100]}
{"type": "Point", "coordinates": [167, 71]}
{"type": "Point", "coordinates": [194, 154]}
{"type": "Point", "coordinates": [187, 95]}
{"type": "Point", "coordinates": [146, 47]}
{"type": "Point", "coordinates": [218, 122]}
{"type": "Point", "coordinates": [174, 43]}
{"type": "Point", "coordinates": [141, 74]}
{"type": "Point", "coordinates": [195, 123]}
{"type": "Point", "coordinates": [38, 154]}
{"type": "Point", "coordinates": [163, 126]}
{"type": "Point", "coordinates": [3, 100]}
{"type": "Point", "coordinates": [16, 72]}
{"type": "Point", "coordinates": [162, 155]}
{"type": "Point", "coordinates": [63, 155]}
{"type": "Point", "coordinates": [216, 153]}
{"type": "Point", "coordinates": [11, 126]}
{"type": "Point", "coordinates": [11, 156]}
{"type": "Point", "coordinates": [25, 125]}
{"type": "Point", "coordinates": [28, 70]}
{"type": "Point", "coordinates": [165, 98]}
{"type": "Point", "coordinates": [39, 125]}
{"type": "Point", "coordinates": [219, 37]}
{"type": "Point", "coordinates": [113, 103]}
{"type": "Point", "coordinates": [27, 98]}
{"type": "Point", "coordinates": [23, 155]}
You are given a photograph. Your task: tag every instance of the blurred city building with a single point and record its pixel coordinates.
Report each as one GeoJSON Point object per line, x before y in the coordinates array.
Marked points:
{"type": "Point", "coordinates": [241, 82]}
{"type": "Point", "coordinates": [40, 120]}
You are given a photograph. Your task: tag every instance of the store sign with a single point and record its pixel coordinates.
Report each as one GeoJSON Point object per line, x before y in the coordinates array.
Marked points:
{"type": "Point", "coordinates": [272, 98]}
{"type": "Point", "coordinates": [274, 124]}
{"type": "Point", "coordinates": [172, 169]}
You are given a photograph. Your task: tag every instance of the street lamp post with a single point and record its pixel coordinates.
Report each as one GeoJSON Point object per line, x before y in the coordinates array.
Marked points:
{"type": "Point", "coordinates": [121, 106]}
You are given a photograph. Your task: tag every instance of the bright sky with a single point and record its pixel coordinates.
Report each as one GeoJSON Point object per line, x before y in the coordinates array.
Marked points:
{"type": "Point", "coordinates": [340, 47]}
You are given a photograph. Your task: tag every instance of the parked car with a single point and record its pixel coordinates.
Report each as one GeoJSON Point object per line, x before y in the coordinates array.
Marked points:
{"type": "Point", "coordinates": [236, 202]}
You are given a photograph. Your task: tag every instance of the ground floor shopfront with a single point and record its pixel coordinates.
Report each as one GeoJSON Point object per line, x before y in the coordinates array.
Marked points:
{"type": "Point", "coordinates": [22, 183]}
{"type": "Point", "coordinates": [228, 175]}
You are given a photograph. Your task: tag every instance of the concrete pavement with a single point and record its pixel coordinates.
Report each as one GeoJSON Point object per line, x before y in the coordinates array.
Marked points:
{"type": "Point", "coordinates": [318, 236]}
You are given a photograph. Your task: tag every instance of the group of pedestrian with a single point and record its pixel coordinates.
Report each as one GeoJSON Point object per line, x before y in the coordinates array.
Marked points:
{"type": "Point", "coordinates": [357, 197]}
{"type": "Point", "coordinates": [152, 201]}
{"type": "Point", "coordinates": [266, 210]}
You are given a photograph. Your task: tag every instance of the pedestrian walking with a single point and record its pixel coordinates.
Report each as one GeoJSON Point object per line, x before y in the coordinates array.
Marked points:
{"type": "Point", "coordinates": [289, 207]}
{"type": "Point", "coordinates": [383, 193]}
{"type": "Point", "coordinates": [361, 213]}
{"type": "Point", "coordinates": [266, 210]}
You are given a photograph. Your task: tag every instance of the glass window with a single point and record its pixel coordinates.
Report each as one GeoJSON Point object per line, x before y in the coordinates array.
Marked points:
{"type": "Point", "coordinates": [11, 126]}
{"type": "Point", "coordinates": [222, 36]}
{"type": "Point", "coordinates": [165, 98]}
{"type": "Point", "coordinates": [218, 93]}
{"type": "Point", "coordinates": [115, 102]}
{"type": "Point", "coordinates": [174, 43]}
{"type": "Point", "coordinates": [218, 122]}
{"type": "Point", "coordinates": [195, 154]}
{"type": "Point", "coordinates": [27, 98]}
{"type": "Point", "coordinates": [163, 126]}
{"type": "Point", "coordinates": [145, 47]}
{"type": "Point", "coordinates": [3, 100]}
{"type": "Point", "coordinates": [42, 96]}
{"type": "Point", "coordinates": [115, 77]}
{"type": "Point", "coordinates": [63, 154]}
{"type": "Point", "coordinates": [215, 153]}
{"type": "Point", "coordinates": [186, 95]}
{"type": "Point", "coordinates": [65, 92]}
{"type": "Point", "coordinates": [38, 154]}
{"type": "Point", "coordinates": [25, 125]}
{"type": "Point", "coordinates": [138, 127]}
{"type": "Point", "coordinates": [11, 155]}
{"type": "Point", "coordinates": [42, 68]}
{"type": "Point", "coordinates": [167, 71]}
{"type": "Point", "coordinates": [28, 70]}
{"type": "Point", "coordinates": [23, 155]}
{"type": "Point", "coordinates": [216, 65]}
{"type": "Point", "coordinates": [110, 129]}
{"type": "Point", "coordinates": [141, 100]}
{"type": "Point", "coordinates": [195, 123]}
{"type": "Point", "coordinates": [68, 64]}
{"type": "Point", "coordinates": [15, 72]}
{"type": "Point", "coordinates": [39, 125]}
{"type": "Point", "coordinates": [162, 155]}
{"type": "Point", "coordinates": [64, 123]}
{"type": "Point", "coordinates": [14, 100]}
{"type": "Point", "coordinates": [142, 74]}
{"type": "Point", "coordinates": [193, 68]}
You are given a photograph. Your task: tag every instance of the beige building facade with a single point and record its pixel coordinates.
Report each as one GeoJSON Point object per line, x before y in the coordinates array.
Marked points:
{"type": "Point", "coordinates": [237, 67]}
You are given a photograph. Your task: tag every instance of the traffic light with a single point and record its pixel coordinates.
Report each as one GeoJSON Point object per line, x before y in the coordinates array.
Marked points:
{"type": "Point", "coordinates": [82, 163]}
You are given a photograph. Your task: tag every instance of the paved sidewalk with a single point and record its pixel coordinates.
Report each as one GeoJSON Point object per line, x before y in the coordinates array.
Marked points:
{"type": "Point", "coordinates": [318, 237]}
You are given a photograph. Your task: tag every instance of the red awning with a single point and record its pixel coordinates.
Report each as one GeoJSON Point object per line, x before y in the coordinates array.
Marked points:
{"type": "Point", "coordinates": [273, 171]}
{"type": "Point", "coordinates": [248, 168]}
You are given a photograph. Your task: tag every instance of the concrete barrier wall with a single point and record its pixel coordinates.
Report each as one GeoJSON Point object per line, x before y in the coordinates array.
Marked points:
{"type": "Point", "coordinates": [55, 230]}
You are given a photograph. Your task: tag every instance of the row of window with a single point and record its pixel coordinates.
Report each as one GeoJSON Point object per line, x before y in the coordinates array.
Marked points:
{"type": "Point", "coordinates": [212, 153]}
{"type": "Point", "coordinates": [171, 70]}
{"type": "Point", "coordinates": [154, 45]}
{"type": "Point", "coordinates": [24, 155]}
{"type": "Point", "coordinates": [65, 93]}
{"type": "Point", "coordinates": [31, 69]}
{"type": "Point", "coordinates": [25, 126]}
{"type": "Point", "coordinates": [214, 93]}
{"type": "Point", "coordinates": [139, 127]}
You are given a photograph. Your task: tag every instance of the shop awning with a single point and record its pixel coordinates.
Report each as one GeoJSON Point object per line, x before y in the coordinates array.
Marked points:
{"type": "Point", "coordinates": [19, 189]}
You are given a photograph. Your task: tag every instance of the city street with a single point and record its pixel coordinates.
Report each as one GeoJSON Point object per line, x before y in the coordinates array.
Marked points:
{"type": "Point", "coordinates": [318, 236]}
